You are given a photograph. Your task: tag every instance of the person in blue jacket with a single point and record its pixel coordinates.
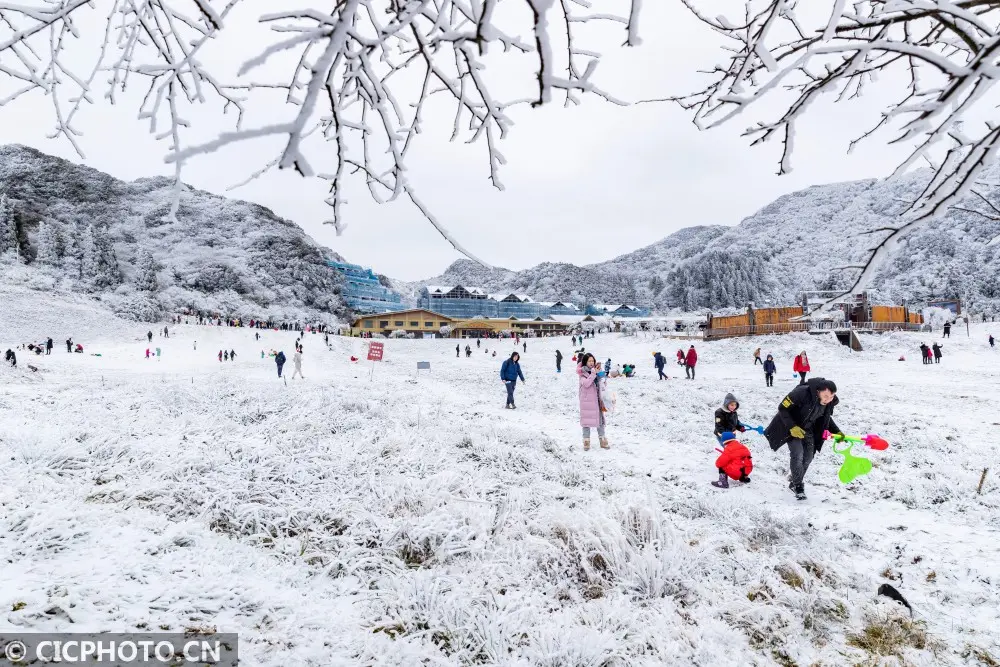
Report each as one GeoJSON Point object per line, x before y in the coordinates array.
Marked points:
{"type": "Point", "coordinates": [510, 371]}
{"type": "Point", "coordinates": [660, 361]}
{"type": "Point", "coordinates": [769, 370]}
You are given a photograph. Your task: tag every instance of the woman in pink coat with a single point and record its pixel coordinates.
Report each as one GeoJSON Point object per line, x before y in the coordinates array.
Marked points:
{"type": "Point", "coordinates": [592, 388]}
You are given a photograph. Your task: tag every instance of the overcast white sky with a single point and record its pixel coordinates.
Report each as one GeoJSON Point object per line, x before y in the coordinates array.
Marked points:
{"type": "Point", "coordinates": [584, 184]}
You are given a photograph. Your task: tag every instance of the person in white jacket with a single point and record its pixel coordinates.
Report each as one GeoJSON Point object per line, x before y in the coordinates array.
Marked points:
{"type": "Point", "coordinates": [297, 362]}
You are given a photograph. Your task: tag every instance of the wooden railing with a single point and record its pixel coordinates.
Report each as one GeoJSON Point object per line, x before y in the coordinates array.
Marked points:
{"type": "Point", "coordinates": [806, 327]}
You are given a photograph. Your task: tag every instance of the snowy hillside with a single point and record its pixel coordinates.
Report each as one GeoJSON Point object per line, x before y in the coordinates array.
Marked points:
{"type": "Point", "coordinates": [411, 520]}
{"type": "Point", "coordinates": [80, 230]}
{"type": "Point", "coordinates": [791, 245]}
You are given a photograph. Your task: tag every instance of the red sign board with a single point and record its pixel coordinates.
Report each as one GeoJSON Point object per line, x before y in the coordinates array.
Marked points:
{"type": "Point", "coordinates": [375, 352]}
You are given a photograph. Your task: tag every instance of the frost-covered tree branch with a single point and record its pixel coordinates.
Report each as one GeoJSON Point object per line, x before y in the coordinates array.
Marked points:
{"type": "Point", "coordinates": [354, 81]}
{"type": "Point", "coordinates": [942, 56]}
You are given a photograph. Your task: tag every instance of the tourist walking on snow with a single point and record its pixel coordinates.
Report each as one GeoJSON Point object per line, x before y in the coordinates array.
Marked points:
{"type": "Point", "coordinates": [689, 362]}
{"type": "Point", "coordinates": [680, 357]}
{"type": "Point", "coordinates": [756, 357]}
{"type": "Point", "coordinates": [147, 353]}
{"type": "Point", "coordinates": [769, 370]}
{"type": "Point", "coordinates": [297, 362]}
{"type": "Point", "coordinates": [458, 350]}
{"type": "Point", "coordinates": [801, 366]}
{"type": "Point", "coordinates": [510, 371]}
{"type": "Point", "coordinates": [936, 347]}
{"type": "Point", "coordinates": [659, 361]}
{"type": "Point", "coordinates": [947, 329]}
{"type": "Point", "coordinates": [48, 346]}
{"type": "Point", "coordinates": [802, 417]}
{"type": "Point", "coordinates": [593, 388]}
{"type": "Point", "coordinates": [279, 360]}
{"type": "Point", "coordinates": [69, 345]}
{"type": "Point", "coordinates": [149, 336]}
{"type": "Point", "coordinates": [991, 340]}
{"type": "Point", "coordinates": [525, 347]}
{"type": "Point", "coordinates": [558, 361]}
{"type": "Point", "coordinates": [220, 356]}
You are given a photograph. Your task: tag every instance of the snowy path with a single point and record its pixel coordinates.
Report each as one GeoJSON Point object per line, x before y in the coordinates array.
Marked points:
{"type": "Point", "coordinates": [411, 517]}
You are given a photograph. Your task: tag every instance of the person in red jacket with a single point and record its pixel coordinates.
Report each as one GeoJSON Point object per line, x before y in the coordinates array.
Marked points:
{"type": "Point", "coordinates": [689, 362]}
{"type": "Point", "coordinates": [801, 366]}
{"type": "Point", "coordinates": [734, 461]}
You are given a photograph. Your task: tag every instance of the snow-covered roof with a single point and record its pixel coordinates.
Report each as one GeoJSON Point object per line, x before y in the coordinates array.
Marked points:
{"type": "Point", "coordinates": [571, 319]}
{"type": "Point", "coordinates": [444, 289]}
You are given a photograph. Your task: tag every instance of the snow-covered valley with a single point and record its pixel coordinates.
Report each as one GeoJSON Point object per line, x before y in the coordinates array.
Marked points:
{"type": "Point", "coordinates": [409, 519]}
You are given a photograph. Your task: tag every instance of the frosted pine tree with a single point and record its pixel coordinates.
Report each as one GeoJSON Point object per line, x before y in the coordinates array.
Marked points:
{"type": "Point", "coordinates": [47, 242]}
{"type": "Point", "coordinates": [145, 271]}
{"type": "Point", "coordinates": [108, 273]}
{"type": "Point", "coordinates": [72, 251]}
{"type": "Point", "coordinates": [8, 228]}
{"type": "Point", "coordinates": [89, 262]}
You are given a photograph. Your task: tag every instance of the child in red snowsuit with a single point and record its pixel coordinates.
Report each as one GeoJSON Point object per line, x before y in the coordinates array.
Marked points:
{"type": "Point", "coordinates": [734, 461]}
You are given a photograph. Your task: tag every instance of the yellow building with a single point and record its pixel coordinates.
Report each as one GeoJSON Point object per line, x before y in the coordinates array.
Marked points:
{"type": "Point", "coordinates": [481, 327]}
{"type": "Point", "coordinates": [418, 321]}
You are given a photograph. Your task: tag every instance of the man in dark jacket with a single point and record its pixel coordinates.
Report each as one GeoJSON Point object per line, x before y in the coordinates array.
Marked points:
{"type": "Point", "coordinates": [659, 361]}
{"type": "Point", "coordinates": [279, 359]}
{"type": "Point", "coordinates": [48, 346]}
{"type": "Point", "coordinates": [726, 419]}
{"type": "Point", "coordinates": [937, 352]}
{"type": "Point", "coordinates": [802, 417]}
{"type": "Point", "coordinates": [558, 361]}
{"type": "Point", "coordinates": [947, 329]}
{"type": "Point", "coordinates": [510, 371]}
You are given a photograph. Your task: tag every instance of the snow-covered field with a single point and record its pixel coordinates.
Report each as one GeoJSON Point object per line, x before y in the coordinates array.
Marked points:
{"type": "Point", "coordinates": [409, 519]}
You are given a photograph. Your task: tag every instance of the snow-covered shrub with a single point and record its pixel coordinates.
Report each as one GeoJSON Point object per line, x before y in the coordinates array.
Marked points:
{"type": "Point", "coordinates": [399, 333]}
{"type": "Point", "coordinates": [445, 331]}
{"type": "Point", "coordinates": [138, 307]}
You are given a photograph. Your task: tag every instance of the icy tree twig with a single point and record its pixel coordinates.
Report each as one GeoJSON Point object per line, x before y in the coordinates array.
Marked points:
{"type": "Point", "coordinates": [343, 83]}
{"type": "Point", "coordinates": [948, 52]}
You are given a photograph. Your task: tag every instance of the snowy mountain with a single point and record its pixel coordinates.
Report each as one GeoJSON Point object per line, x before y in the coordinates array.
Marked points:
{"type": "Point", "coordinates": [70, 228]}
{"type": "Point", "coordinates": [795, 243]}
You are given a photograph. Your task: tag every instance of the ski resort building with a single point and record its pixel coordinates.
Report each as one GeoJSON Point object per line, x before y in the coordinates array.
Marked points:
{"type": "Point", "coordinates": [469, 302]}
{"type": "Point", "coordinates": [417, 321]}
{"type": "Point", "coordinates": [363, 291]}
{"type": "Point", "coordinates": [424, 323]}
{"type": "Point", "coordinates": [617, 310]}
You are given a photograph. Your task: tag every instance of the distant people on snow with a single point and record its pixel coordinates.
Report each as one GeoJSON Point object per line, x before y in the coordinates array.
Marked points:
{"type": "Point", "coordinates": [689, 362]}
{"type": "Point", "coordinates": [756, 357]}
{"type": "Point", "coordinates": [558, 361]}
{"type": "Point", "coordinates": [801, 366]}
{"type": "Point", "coordinates": [769, 370]}
{"type": "Point", "coordinates": [659, 362]}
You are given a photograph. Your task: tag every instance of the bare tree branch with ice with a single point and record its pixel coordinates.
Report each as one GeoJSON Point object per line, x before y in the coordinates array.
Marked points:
{"type": "Point", "coordinates": [358, 76]}
{"type": "Point", "coordinates": [945, 55]}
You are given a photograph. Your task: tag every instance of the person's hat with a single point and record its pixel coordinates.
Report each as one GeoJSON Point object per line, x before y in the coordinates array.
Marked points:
{"type": "Point", "coordinates": [727, 436]}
